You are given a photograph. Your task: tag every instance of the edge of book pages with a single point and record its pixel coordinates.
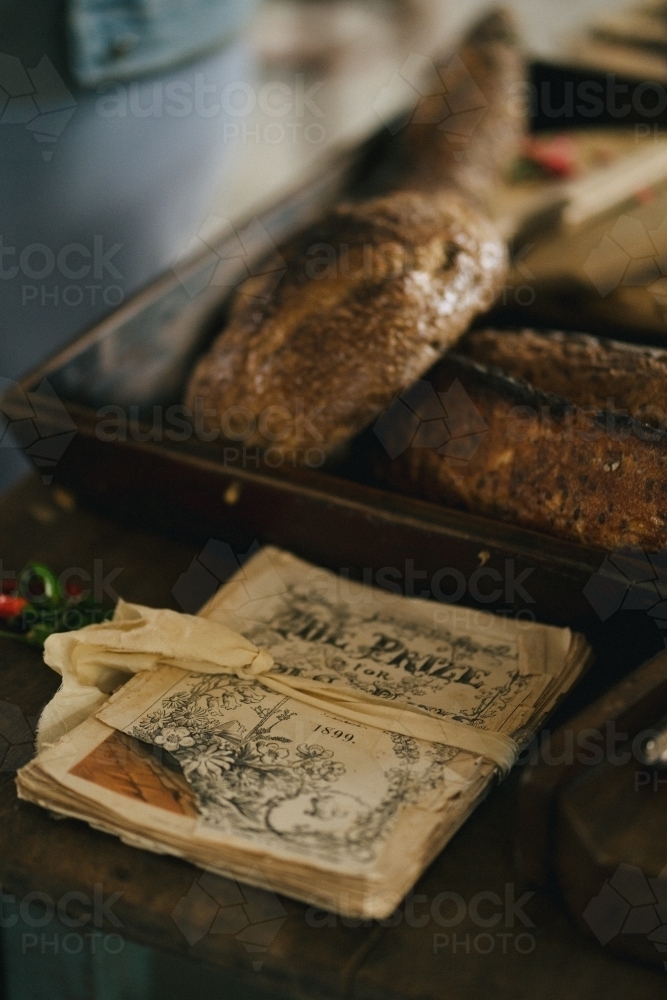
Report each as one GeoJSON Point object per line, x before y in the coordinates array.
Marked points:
{"type": "Point", "coordinates": [335, 814]}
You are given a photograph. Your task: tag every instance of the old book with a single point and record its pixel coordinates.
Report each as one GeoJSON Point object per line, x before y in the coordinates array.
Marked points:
{"type": "Point", "coordinates": [251, 778]}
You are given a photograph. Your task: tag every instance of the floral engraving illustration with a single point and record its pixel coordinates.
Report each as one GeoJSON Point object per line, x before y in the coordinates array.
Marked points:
{"type": "Point", "coordinates": [251, 777]}
{"type": "Point", "coordinates": [290, 777]}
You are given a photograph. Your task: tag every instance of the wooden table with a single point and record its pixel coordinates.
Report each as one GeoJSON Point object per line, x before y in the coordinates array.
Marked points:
{"type": "Point", "coordinates": [310, 955]}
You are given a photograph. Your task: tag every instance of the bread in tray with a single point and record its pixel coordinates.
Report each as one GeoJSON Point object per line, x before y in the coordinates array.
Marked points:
{"type": "Point", "coordinates": [502, 448]}
{"type": "Point", "coordinates": [371, 297]}
{"type": "Point", "coordinates": [364, 301]}
{"type": "Point", "coordinates": [586, 370]}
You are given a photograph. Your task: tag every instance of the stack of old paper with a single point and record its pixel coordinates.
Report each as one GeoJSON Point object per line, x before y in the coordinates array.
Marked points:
{"type": "Point", "coordinates": [321, 768]}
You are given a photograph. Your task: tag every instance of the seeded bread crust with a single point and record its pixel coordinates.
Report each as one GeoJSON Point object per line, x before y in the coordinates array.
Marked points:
{"type": "Point", "coordinates": [370, 298]}
{"type": "Point", "coordinates": [525, 456]}
{"type": "Point", "coordinates": [586, 370]}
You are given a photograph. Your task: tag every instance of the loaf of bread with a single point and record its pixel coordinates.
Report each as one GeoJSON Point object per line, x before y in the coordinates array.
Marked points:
{"type": "Point", "coordinates": [372, 296]}
{"type": "Point", "coordinates": [585, 370]}
{"type": "Point", "coordinates": [373, 293]}
{"type": "Point", "coordinates": [467, 131]}
{"type": "Point", "coordinates": [504, 449]}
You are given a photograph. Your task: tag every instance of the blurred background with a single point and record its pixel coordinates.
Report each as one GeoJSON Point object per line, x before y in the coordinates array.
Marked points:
{"type": "Point", "coordinates": [131, 132]}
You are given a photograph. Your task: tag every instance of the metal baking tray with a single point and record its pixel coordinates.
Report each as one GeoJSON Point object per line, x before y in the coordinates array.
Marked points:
{"type": "Point", "coordinates": [138, 359]}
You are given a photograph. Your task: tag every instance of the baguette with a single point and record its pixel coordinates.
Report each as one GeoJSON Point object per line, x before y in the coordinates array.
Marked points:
{"type": "Point", "coordinates": [367, 299]}
{"type": "Point", "coordinates": [468, 131]}
{"type": "Point", "coordinates": [522, 455]}
{"type": "Point", "coordinates": [372, 295]}
{"type": "Point", "coordinates": [585, 370]}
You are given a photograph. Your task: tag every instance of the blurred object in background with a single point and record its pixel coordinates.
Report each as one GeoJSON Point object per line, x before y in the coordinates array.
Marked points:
{"type": "Point", "coordinates": [112, 152]}
{"type": "Point", "coordinates": [569, 180]}
{"type": "Point", "coordinates": [326, 74]}
{"type": "Point", "coordinates": [631, 41]}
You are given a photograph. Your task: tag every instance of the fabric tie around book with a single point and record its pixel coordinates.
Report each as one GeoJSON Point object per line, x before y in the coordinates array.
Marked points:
{"type": "Point", "coordinates": [95, 660]}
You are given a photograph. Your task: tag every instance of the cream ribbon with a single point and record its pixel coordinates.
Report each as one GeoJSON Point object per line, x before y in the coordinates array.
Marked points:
{"type": "Point", "coordinates": [93, 662]}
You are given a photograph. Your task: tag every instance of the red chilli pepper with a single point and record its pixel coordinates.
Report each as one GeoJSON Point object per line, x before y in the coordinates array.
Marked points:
{"type": "Point", "coordinates": [11, 606]}
{"type": "Point", "coordinates": [557, 155]}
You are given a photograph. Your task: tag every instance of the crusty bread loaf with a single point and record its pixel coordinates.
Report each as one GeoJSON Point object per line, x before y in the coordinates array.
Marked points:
{"type": "Point", "coordinates": [586, 370]}
{"type": "Point", "coordinates": [372, 295]}
{"type": "Point", "coordinates": [377, 290]}
{"type": "Point", "coordinates": [468, 130]}
{"type": "Point", "coordinates": [525, 456]}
